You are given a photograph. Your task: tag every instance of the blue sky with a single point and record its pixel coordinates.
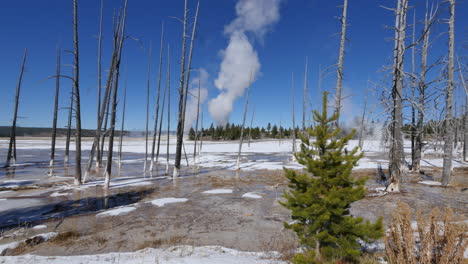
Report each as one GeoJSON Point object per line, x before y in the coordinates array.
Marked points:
{"type": "Point", "coordinates": [305, 28]}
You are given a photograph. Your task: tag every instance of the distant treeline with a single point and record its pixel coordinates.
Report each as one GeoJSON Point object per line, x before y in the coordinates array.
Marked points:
{"type": "Point", "coordinates": [233, 132]}
{"type": "Point", "coordinates": [47, 132]}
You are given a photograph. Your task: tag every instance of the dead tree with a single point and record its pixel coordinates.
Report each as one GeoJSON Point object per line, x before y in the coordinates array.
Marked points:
{"type": "Point", "coordinates": [123, 126]}
{"type": "Point", "coordinates": [56, 104]}
{"type": "Point", "coordinates": [304, 95]}
{"type": "Point", "coordinates": [114, 98]}
{"type": "Point", "coordinates": [413, 90]}
{"type": "Point", "coordinates": [160, 123]}
{"type": "Point", "coordinates": [293, 116]}
{"type": "Point", "coordinates": [465, 117]}
{"type": "Point", "coordinates": [148, 81]}
{"type": "Point", "coordinates": [362, 126]}
{"type": "Point", "coordinates": [157, 100]}
{"type": "Point", "coordinates": [15, 114]}
{"type": "Point", "coordinates": [246, 106]}
{"type": "Point", "coordinates": [69, 125]}
{"type": "Point", "coordinates": [196, 122]}
{"type": "Point", "coordinates": [168, 106]}
{"type": "Point", "coordinates": [99, 77]}
{"type": "Point", "coordinates": [339, 69]}
{"type": "Point", "coordinates": [396, 149]}
{"type": "Point", "coordinates": [251, 125]}
{"type": "Point", "coordinates": [105, 102]}
{"type": "Point", "coordinates": [76, 81]}
{"type": "Point", "coordinates": [448, 138]}
{"type": "Point", "coordinates": [184, 79]}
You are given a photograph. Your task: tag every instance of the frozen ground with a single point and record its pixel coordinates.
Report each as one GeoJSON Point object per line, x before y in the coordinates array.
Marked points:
{"type": "Point", "coordinates": [210, 204]}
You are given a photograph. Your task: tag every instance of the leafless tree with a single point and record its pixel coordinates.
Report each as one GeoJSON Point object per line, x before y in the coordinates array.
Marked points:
{"type": "Point", "coordinates": [123, 125]}
{"type": "Point", "coordinates": [184, 82]}
{"type": "Point", "coordinates": [448, 139]}
{"type": "Point", "coordinates": [396, 149]}
{"type": "Point", "coordinates": [246, 106]}
{"type": "Point", "coordinates": [157, 99]}
{"type": "Point", "coordinates": [293, 116]}
{"type": "Point", "coordinates": [251, 125]}
{"type": "Point", "coordinates": [465, 118]}
{"type": "Point", "coordinates": [362, 128]}
{"type": "Point", "coordinates": [54, 122]}
{"type": "Point", "coordinates": [12, 143]}
{"type": "Point", "coordinates": [339, 70]}
{"type": "Point", "coordinates": [114, 98]}
{"type": "Point", "coordinates": [99, 77]}
{"type": "Point", "coordinates": [168, 106]}
{"type": "Point", "coordinates": [413, 91]}
{"type": "Point", "coordinates": [166, 88]}
{"type": "Point", "coordinates": [304, 96]}
{"type": "Point", "coordinates": [148, 82]}
{"type": "Point", "coordinates": [196, 123]}
{"type": "Point", "coordinates": [69, 125]}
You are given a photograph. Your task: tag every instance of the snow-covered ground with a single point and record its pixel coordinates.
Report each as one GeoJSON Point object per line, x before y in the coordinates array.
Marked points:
{"type": "Point", "coordinates": [262, 154]}
{"type": "Point", "coordinates": [173, 255]}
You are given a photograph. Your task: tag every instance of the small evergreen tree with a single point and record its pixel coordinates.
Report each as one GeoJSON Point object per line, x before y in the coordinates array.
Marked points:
{"type": "Point", "coordinates": [191, 134]}
{"type": "Point", "coordinates": [320, 198]}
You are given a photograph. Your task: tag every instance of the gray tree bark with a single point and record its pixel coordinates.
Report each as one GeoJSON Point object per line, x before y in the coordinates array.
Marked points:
{"type": "Point", "coordinates": [396, 149]}
{"type": "Point", "coordinates": [69, 125]}
{"type": "Point", "coordinates": [12, 143]}
{"type": "Point", "coordinates": [168, 106]}
{"type": "Point", "coordinates": [293, 116]}
{"type": "Point", "coordinates": [413, 90]}
{"type": "Point", "coordinates": [339, 70]}
{"type": "Point", "coordinates": [448, 138]}
{"type": "Point", "coordinates": [76, 81]}
{"type": "Point", "coordinates": [196, 123]}
{"type": "Point", "coordinates": [243, 123]}
{"type": "Point", "coordinates": [54, 122]}
{"type": "Point", "coordinates": [251, 125]}
{"type": "Point", "coordinates": [123, 126]}
{"type": "Point", "coordinates": [99, 77]}
{"type": "Point", "coordinates": [157, 101]}
{"type": "Point", "coordinates": [160, 124]}
{"type": "Point", "coordinates": [148, 81]}
{"type": "Point", "coordinates": [362, 129]}
{"type": "Point", "coordinates": [465, 117]}
{"type": "Point", "coordinates": [304, 95]}
{"type": "Point", "coordinates": [114, 99]}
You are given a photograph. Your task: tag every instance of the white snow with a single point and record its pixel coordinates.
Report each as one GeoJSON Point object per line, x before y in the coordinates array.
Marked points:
{"type": "Point", "coordinates": [38, 227]}
{"type": "Point", "coordinates": [57, 194]}
{"type": "Point", "coordinates": [172, 255]}
{"type": "Point", "coordinates": [434, 183]}
{"type": "Point", "coordinates": [218, 191]}
{"type": "Point", "coordinates": [163, 201]}
{"type": "Point", "coordinates": [251, 195]}
{"type": "Point", "coordinates": [117, 211]}
{"type": "Point", "coordinates": [13, 245]}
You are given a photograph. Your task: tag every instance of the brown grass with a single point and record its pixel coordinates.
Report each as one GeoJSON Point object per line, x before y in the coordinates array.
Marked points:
{"type": "Point", "coordinates": [65, 237]}
{"type": "Point", "coordinates": [284, 242]}
{"type": "Point", "coordinates": [164, 242]}
{"type": "Point", "coordinates": [438, 239]}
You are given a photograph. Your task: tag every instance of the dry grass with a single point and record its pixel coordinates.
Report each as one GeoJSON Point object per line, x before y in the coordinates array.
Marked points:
{"type": "Point", "coordinates": [65, 237]}
{"type": "Point", "coordinates": [284, 242]}
{"type": "Point", "coordinates": [164, 242]}
{"type": "Point", "coordinates": [439, 239]}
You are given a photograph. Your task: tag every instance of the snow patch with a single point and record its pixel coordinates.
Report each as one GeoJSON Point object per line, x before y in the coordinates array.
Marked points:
{"type": "Point", "coordinates": [218, 191]}
{"type": "Point", "coordinates": [39, 227]}
{"type": "Point", "coordinates": [57, 194]}
{"type": "Point", "coordinates": [163, 201]}
{"type": "Point", "coordinates": [117, 211]}
{"type": "Point", "coordinates": [433, 183]}
{"type": "Point", "coordinates": [251, 195]}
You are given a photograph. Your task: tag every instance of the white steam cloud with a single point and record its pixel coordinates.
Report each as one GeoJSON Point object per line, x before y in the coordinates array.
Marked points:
{"type": "Point", "coordinates": [192, 101]}
{"type": "Point", "coordinates": [240, 63]}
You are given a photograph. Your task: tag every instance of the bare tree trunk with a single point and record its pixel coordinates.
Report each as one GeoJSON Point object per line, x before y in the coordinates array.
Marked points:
{"type": "Point", "coordinates": [243, 123]}
{"type": "Point", "coordinates": [465, 117]}
{"type": "Point", "coordinates": [422, 95]}
{"type": "Point", "coordinates": [448, 138]}
{"type": "Point", "coordinates": [114, 99]}
{"type": "Point", "coordinates": [99, 77]}
{"type": "Point", "coordinates": [160, 123]}
{"type": "Point", "coordinates": [304, 95]}
{"type": "Point", "coordinates": [123, 126]}
{"type": "Point", "coordinates": [69, 124]}
{"type": "Point", "coordinates": [157, 101]}
{"type": "Point", "coordinates": [339, 70]}
{"type": "Point", "coordinates": [293, 116]}
{"type": "Point", "coordinates": [251, 125]}
{"type": "Point", "coordinates": [15, 114]}
{"type": "Point", "coordinates": [184, 82]}
{"type": "Point", "coordinates": [362, 129]}
{"type": "Point", "coordinates": [201, 138]}
{"type": "Point", "coordinates": [168, 106]}
{"type": "Point", "coordinates": [396, 150]}
{"type": "Point", "coordinates": [413, 90]}
{"type": "Point", "coordinates": [196, 123]}
{"type": "Point", "coordinates": [148, 81]}
{"type": "Point", "coordinates": [54, 122]}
